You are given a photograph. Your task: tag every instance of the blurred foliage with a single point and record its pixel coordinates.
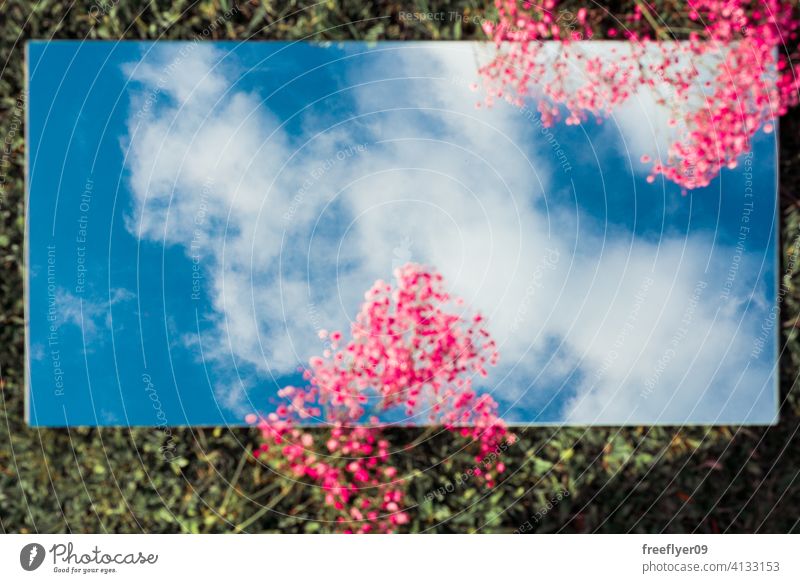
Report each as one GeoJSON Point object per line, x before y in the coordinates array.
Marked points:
{"type": "Point", "coordinates": [650, 479]}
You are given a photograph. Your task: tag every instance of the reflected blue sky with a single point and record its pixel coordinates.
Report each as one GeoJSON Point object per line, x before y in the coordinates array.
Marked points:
{"type": "Point", "coordinates": [199, 211]}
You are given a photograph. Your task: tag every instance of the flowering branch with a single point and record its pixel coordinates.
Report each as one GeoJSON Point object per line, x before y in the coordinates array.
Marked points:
{"type": "Point", "coordinates": [411, 349]}
{"type": "Point", "coordinates": [714, 118]}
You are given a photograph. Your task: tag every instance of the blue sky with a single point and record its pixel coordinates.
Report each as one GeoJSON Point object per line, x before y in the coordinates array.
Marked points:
{"type": "Point", "coordinates": [199, 211]}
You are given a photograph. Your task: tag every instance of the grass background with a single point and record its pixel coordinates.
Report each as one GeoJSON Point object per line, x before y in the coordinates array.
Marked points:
{"type": "Point", "coordinates": [699, 479]}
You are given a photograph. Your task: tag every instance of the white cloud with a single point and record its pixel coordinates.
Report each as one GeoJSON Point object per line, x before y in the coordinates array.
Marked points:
{"type": "Point", "coordinates": [87, 314]}
{"type": "Point", "coordinates": [295, 226]}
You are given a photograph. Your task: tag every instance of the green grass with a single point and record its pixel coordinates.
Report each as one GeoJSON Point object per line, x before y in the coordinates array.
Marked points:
{"type": "Point", "coordinates": [95, 480]}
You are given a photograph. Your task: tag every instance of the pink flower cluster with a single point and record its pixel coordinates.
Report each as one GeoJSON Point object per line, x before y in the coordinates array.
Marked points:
{"type": "Point", "coordinates": [351, 468]}
{"type": "Point", "coordinates": [716, 112]}
{"type": "Point", "coordinates": [412, 348]}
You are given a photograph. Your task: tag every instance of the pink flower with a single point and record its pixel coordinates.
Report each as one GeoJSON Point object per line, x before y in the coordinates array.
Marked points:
{"type": "Point", "coordinates": [754, 85]}
{"type": "Point", "coordinates": [414, 345]}
{"type": "Point", "coordinates": [400, 518]}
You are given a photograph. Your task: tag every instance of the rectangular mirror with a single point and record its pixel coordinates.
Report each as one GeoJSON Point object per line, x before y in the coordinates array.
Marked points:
{"type": "Point", "coordinates": [205, 219]}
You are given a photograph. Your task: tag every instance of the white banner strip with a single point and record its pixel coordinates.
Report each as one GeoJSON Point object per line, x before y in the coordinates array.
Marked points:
{"type": "Point", "coordinates": [401, 558]}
